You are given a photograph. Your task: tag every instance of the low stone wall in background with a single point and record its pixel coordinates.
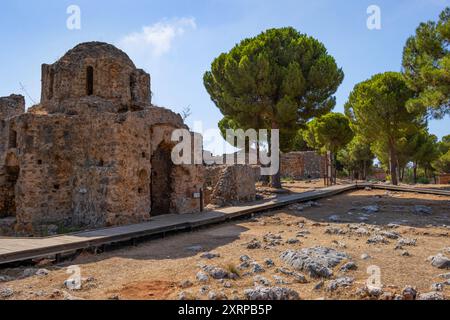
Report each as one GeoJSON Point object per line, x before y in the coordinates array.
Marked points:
{"type": "Point", "coordinates": [230, 185]}
{"type": "Point", "coordinates": [302, 165]}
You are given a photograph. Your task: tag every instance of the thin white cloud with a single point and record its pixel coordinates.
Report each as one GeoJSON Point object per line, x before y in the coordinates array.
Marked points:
{"type": "Point", "coordinates": [158, 38]}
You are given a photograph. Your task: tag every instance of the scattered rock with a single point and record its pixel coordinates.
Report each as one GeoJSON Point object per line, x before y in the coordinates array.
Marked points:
{"type": "Point", "coordinates": [409, 293]}
{"type": "Point", "coordinates": [405, 254]}
{"type": "Point", "coordinates": [339, 244]}
{"type": "Point", "coordinates": [437, 286]}
{"type": "Point", "coordinates": [217, 296]}
{"type": "Point", "coordinates": [390, 235]}
{"type": "Point", "coordinates": [365, 256]}
{"type": "Point", "coordinates": [272, 239]}
{"type": "Point", "coordinates": [202, 277]}
{"type": "Point", "coordinates": [204, 290]}
{"type": "Point", "coordinates": [343, 282]}
{"type": "Point", "coordinates": [430, 296]}
{"type": "Point", "coordinates": [244, 258]}
{"type": "Point", "coordinates": [260, 280]}
{"type": "Point", "coordinates": [254, 244]}
{"type": "Point", "coordinates": [244, 265]}
{"type": "Point", "coordinates": [292, 241]}
{"type": "Point", "coordinates": [335, 231]}
{"type": "Point", "coordinates": [280, 280]}
{"type": "Point", "coordinates": [183, 296]}
{"type": "Point", "coordinates": [42, 272]}
{"type": "Point", "coordinates": [369, 292]}
{"type": "Point", "coordinates": [362, 232]}
{"type": "Point", "coordinates": [406, 242]}
{"type": "Point", "coordinates": [256, 268]}
{"type": "Point", "coordinates": [269, 263]}
{"type": "Point", "coordinates": [210, 255]}
{"type": "Point", "coordinates": [440, 261]}
{"type": "Point", "coordinates": [186, 284]}
{"type": "Point", "coordinates": [445, 276]}
{"type": "Point", "coordinates": [216, 272]}
{"type": "Point", "coordinates": [348, 266]}
{"type": "Point", "coordinates": [271, 293]}
{"type": "Point", "coordinates": [303, 234]}
{"type": "Point", "coordinates": [6, 293]}
{"type": "Point", "coordinates": [319, 285]}
{"type": "Point", "coordinates": [377, 239]}
{"type": "Point", "coordinates": [317, 261]}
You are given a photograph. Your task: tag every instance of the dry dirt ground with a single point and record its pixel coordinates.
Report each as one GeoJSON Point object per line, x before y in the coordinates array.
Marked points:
{"type": "Point", "coordinates": [156, 269]}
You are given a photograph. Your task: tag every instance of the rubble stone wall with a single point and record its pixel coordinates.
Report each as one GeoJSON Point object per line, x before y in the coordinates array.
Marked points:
{"type": "Point", "coordinates": [302, 165]}
{"type": "Point", "coordinates": [229, 185]}
{"type": "Point", "coordinates": [83, 159]}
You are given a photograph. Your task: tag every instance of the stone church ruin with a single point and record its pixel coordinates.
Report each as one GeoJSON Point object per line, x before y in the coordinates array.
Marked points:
{"type": "Point", "coordinates": [94, 152]}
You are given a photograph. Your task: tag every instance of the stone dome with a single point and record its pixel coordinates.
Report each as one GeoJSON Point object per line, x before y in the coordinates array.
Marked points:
{"type": "Point", "coordinates": [93, 51]}
{"type": "Point", "coordinates": [95, 69]}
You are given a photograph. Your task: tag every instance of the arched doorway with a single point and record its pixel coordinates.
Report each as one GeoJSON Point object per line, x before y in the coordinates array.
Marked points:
{"type": "Point", "coordinates": [161, 180]}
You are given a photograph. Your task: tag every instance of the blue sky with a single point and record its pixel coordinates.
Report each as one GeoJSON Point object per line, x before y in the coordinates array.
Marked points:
{"type": "Point", "coordinates": [176, 41]}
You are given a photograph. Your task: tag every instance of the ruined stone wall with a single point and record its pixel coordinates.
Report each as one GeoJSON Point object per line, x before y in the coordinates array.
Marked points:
{"type": "Point", "coordinates": [443, 179]}
{"type": "Point", "coordinates": [93, 169]}
{"type": "Point", "coordinates": [94, 152]}
{"type": "Point", "coordinates": [11, 106]}
{"type": "Point", "coordinates": [302, 165]}
{"type": "Point", "coordinates": [229, 185]}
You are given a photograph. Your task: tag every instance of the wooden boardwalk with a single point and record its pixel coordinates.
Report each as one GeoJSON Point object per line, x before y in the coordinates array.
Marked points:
{"type": "Point", "coordinates": [24, 249]}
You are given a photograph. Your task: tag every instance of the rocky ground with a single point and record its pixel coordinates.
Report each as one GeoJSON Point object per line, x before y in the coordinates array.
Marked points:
{"type": "Point", "coordinates": [319, 250]}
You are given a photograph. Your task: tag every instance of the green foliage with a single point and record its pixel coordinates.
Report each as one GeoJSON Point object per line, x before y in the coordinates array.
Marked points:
{"type": "Point", "coordinates": [377, 109]}
{"type": "Point", "coordinates": [426, 66]}
{"type": "Point", "coordinates": [442, 164]}
{"type": "Point", "coordinates": [330, 132]}
{"type": "Point", "coordinates": [425, 148]}
{"type": "Point", "coordinates": [277, 80]}
{"type": "Point", "coordinates": [299, 143]}
{"type": "Point", "coordinates": [357, 157]}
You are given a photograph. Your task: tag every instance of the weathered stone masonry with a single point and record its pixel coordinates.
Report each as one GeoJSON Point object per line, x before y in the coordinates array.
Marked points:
{"type": "Point", "coordinates": [94, 152]}
{"type": "Point", "coordinates": [302, 165]}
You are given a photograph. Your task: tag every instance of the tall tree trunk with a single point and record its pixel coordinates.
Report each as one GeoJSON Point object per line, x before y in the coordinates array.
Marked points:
{"type": "Point", "coordinates": [364, 171]}
{"type": "Point", "coordinates": [393, 165]}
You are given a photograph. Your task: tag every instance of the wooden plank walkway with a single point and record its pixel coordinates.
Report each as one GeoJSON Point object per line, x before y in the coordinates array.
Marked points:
{"type": "Point", "coordinates": [435, 191]}
{"type": "Point", "coordinates": [23, 249]}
